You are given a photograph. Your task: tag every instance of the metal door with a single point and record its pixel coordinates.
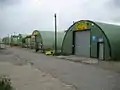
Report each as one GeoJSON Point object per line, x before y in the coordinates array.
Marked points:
{"type": "Point", "coordinates": [82, 43]}
{"type": "Point", "coordinates": [101, 51]}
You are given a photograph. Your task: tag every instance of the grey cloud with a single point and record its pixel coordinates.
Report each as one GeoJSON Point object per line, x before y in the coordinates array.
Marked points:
{"type": "Point", "coordinates": [114, 10]}
{"type": "Point", "coordinates": [116, 3]}
{"type": "Point", "coordinates": [23, 18]}
{"type": "Point", "coordinates": [113, 4]}
{"type": "Point", "coordinates": [8, 2]}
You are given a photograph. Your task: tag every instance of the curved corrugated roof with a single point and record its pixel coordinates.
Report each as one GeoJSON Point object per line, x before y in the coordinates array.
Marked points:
{"type": "Point", "coordinates": [113, 34]}
{"type": "Point", "coordinates": [6, 39]}
{"type": "Point", "coordinates": [48, 38]}
{"type": "Point", "coordinates": [23, 35]}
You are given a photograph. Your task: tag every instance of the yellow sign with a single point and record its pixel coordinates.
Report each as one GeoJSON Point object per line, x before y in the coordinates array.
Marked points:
{"type": "Point", "coordinates": [81, 26]}
{"type": "Point", "coordinates": [35, 33]}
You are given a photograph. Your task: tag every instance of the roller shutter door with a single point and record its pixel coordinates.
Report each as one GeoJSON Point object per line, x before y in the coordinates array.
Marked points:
{"type": "Point", "coordinates": [82, 43]}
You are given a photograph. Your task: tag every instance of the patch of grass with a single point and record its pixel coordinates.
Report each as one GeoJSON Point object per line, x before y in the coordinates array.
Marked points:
{"type": "Point", "coordinates": [5, 83]}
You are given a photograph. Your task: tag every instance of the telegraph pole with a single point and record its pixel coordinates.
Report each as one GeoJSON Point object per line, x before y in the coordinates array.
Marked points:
{"type": "Point", "coordinates": [14, 33]}
{"type": "Point", "coordinates": [8, 40]}
{"type": "Point", "coordinates": [55, 33]}
{"type": "Point", "coordinates": [73, 22]}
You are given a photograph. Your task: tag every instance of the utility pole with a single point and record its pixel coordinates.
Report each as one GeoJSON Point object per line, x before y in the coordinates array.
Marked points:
{"type": "Point", "coordinates": [14, 33]}
{"type": "Point", "coordinates": [8, 40]}
{"type": "Point", "coordinates": [55, 33]}
{"type": "Point", "coordinates": [73, 22]}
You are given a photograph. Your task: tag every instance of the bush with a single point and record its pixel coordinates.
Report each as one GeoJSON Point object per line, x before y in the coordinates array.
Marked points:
{"type": "Point", "coordinates": [5, 83]}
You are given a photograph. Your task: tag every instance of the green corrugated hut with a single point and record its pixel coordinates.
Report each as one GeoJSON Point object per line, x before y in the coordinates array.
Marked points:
{"type": "Point", "coordinates": [17, 39]}
{"type": "Point", "coordinates": [92, 39]}
{"type": "Point", "coordinates": [0, 40]}
{"type": "Point", "coordinates": [6, 40]}
{"type": "Point", "coordinates": [14, 40]}
{"type": "Point", "coordinates": [26, 41]}
{"type": "Point", "coordinates": [45, 40]}
{"type": "Point", "coordinates": [20, 38]}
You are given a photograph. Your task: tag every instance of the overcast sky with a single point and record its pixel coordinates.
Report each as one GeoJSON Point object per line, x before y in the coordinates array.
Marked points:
{"type": "Point", "coordinates": [23, 16]}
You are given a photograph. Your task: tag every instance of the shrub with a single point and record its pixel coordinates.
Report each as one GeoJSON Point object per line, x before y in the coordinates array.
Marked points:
{"type": "Point", "coordinates": [5, 83]}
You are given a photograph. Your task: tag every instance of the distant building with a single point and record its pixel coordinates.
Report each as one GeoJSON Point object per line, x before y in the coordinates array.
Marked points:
{"type": "Point", "coordinates": [45, 40]}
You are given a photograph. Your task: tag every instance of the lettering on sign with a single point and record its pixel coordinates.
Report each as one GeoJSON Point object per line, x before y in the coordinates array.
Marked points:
{"type": "Point", "coordinates": [81, 26]}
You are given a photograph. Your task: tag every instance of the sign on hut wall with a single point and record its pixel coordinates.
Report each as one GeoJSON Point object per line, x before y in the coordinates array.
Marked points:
{"type": "Point", "coordinates": [35, 33]}
{"type": "Point", "coordinates": [81, 26]}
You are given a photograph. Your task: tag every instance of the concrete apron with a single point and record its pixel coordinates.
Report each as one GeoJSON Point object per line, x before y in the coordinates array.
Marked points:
{"type": "Point", "coordinates": [80, 59]}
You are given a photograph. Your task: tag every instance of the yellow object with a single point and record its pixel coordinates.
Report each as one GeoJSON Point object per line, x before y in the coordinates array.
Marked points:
{"type": "Point", "coordinates": [48, 53]}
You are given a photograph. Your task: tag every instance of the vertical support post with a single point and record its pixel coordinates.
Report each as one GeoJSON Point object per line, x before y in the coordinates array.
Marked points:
{"type": "Point", "coordinates": [36, 47]}
{"type": "Point", "coordinates": [55, 34]}
{"type": "Point", "coordinates": [8, 40]}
